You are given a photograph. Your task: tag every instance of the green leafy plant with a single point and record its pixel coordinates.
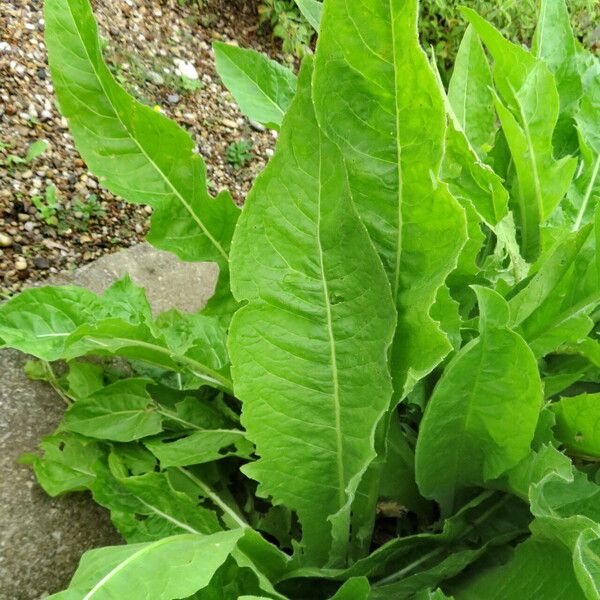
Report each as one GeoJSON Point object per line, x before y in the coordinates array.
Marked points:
{"type": "Point", "coordinates": [187, 84]}
{"type": "Point", "coordinates": [88, 209]}
{"type": "Point", "coordinates": [443, 27]}
{"type": "Point", "coordinates": [239, 153]}
{"type": "Point", "coordinates": [34, 150]}
{"type": "Point", "coordinates": [47, 206]}
{"type": "Point", "coordinates": [288, 25]}
{"type": "Point", "coordinates": [393, 391]}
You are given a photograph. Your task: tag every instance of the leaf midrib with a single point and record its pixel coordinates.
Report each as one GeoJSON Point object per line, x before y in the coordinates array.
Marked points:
{"type": "Point", "coordinates": [112, 573]}
{"type": "Point", "coordinates": [332, 344]}
{"type": "Point", "coordinates": [206, 372]}
{"type": "Point", "coordinates": [396, 287]}
{"type": "Point", "coordinates": [534, 168]}
{"type": "Point", "coordinates": [175, 191]}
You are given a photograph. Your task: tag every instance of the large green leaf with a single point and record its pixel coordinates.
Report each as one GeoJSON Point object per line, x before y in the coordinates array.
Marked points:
{"type": "Point", "coordinates": [577, 421]}
{"type": "Point", "coordinates": [482, 415]}
{"type": "Point", "coordinates": [309, 350]}
{"type": "Point", "coordinates": [38, 321]}
{"type": "Point", "coordinates": [121, 412]}
{"type": "Point", "coordinates": [135, 151]}
{"type": "Point", "coordinates": [68, 464]}
{"type": "Point", "coordinates": [312, 11]}
{"type": "Point", "coordinates": [84, 378]}
{"type": "Point", "coordinates": [585, 191]}
{"type": "Point", "coordinates": [66, 322]}
{"type": "Point", "coordinates": [538, 569]}
{"type": "Point", "coordinates": [377, 98]}
{"type": "Point", "coordinates": [470, 95]}
{"type": "Point", "coordinates": [139, 342]}
{"type": "Point", "coordinates": [147, 507]}
{"type": "Point", "coordinates": [172, 567]}
{"type": "Point", "coordinates": [471, 180]}
{"type": "Point", "coordinates": [541, 181]}
{"type": "Point", "coordinates": [555, 44]}
{"type": "Point", "coordinates": [262, 87]}
{"type": "Point", "coordinates": [554, 308]}
{"type": "Point", "coordinates": [200, 447]}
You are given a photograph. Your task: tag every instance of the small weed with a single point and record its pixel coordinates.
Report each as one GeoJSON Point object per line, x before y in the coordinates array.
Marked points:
{"type": "Point", "coordinates": [288, 25]}
{"type": "Point", "coordinates": [239, 154]}
{"type": "Point", "coordinates": [186, 84]}
{"type": "Point", "coordinates": [89, 209]}
{"type": "Point", "coordinates": [198, 3]}
{"type": "Point", "coordinates": [35, 150]}
{"type": "Point", "coordinates": [48, 206]}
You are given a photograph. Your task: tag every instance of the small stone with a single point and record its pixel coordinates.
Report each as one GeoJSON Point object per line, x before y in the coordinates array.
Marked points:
{"type": "Point", "coordinates": [41, 72]}
{"type": "Point", "coordinates": [148, 209]}
{"type": "Point", "coordinates": [20, 264]}
{"type": "Point", "coordinates": [155, 78]}
{"type": "Point", "coordinates": [45, 115]}
{"type": "Point", "coordinates": [5, 240]}
{"type": "Point", "coordinates": [184, 68]}
{"type": "Point", "coordinates": [173, 98]}
{"type": "Point", "coordinates": [29, 226]}
{"type": "Point", "coordinates": [229, 123]}
{"type": "Point", "coordinates": [5, 47]}
{"type": "Point", "coordinates": [91, 183]}
{"type": "Point", "coordinates": [269, 152]}
{"type": "Point", "coordinates": [23, 217]}
{"type": "Point", "coordinates": [256, 125]}
{"type": "Point", "coordinates": [84, 239]}
{"type": "Point", "coordinates": [41, 263]}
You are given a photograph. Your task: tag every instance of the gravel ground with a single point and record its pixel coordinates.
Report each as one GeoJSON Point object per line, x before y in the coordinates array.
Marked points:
{"type": "Point", "coordinates": [145, 41]}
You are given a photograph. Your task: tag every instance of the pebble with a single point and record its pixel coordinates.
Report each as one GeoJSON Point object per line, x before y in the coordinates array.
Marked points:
{"type": "Point", "coordinates": [155, 78]}
{"type": "Point", "coordinates": [256, 125]}
{"type": "Point", "coordinates": [29, 226]}
{"type": "Point", "coordinates": [229, 123]}
{"type": "Point", "coordinates": [5, 240]}
{"type": "Point", "coordinates": [20, 264]}
{"type": "Point", "coordinates": [41, 263]}
{"type": "Point", "coordinates": [173, 98]}
{"type": "Point", "coordinates": [184, 68]}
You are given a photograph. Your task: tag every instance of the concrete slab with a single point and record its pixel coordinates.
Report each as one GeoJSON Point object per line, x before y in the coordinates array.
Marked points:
{"type": "Point", "coordinates": [42, 538]}
{"type": "Point", "coordinates": [169, 282]}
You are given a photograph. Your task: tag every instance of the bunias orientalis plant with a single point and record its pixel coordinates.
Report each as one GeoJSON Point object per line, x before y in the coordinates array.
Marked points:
{"type": "Point", "coordinates": [393, 392]}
